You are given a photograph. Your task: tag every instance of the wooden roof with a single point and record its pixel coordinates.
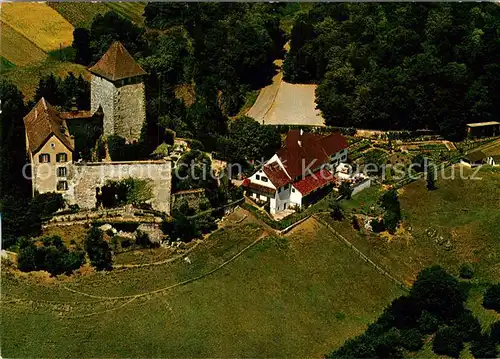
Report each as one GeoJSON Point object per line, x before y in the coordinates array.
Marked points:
{"type": "Point", "coordinates": [117, 64]}
{"type": "Point", "coordinates": [41, 123]}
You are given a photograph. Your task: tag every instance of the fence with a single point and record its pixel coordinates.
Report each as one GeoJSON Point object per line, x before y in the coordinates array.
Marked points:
{"type": "Point", "coordinates": [363, 256]}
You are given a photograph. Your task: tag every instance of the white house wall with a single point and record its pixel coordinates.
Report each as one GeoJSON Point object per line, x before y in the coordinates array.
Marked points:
{"type": "Point", "coordinates": [261, 173]}
{"type": "Point", "coordinates": [295, 197]}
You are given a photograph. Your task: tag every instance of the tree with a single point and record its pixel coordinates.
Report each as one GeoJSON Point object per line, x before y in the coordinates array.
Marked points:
{"type": "Point", "coordinates": [439, 293]}
{"type": "Point", "coordinates": [81, 44]}
{"type": "Point", "coordinates": [336, 211]}
{"type": "Point", "coordinates": [466, 271]}
{"type": "Point", "coordinates": [431, 180]}
{"type": "Point", "coordinates": [392, 216]}
{"type": "Point", "coordinates": [98, 250]}
{"type": "Point", "coordinates": [484, 347]}
{"type": "Point", "coordinates": [448, 341]}
{"type": "Point", "coordinates": [491, 298]}
{"type": "Point", "coordinates": [345, 190]}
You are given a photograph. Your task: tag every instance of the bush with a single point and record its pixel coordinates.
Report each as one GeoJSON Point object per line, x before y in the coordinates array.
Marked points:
{"type": "Point", "coordinates": [98, 250]}
{"type": "Point", "coordinates": [466, 271]}
{"type": "Point", "coordinates": [448, 341]}
{"type": "Point", "coordinates": [377, 226]}
{"type": "Point", "coordinates": [53, 257]}
{"type": "Point", "coordinates": [142, 240]}
{"type": "Point", "coordinates": [196, 145]}
{"type": "Point", "coordinates": [491, 298]}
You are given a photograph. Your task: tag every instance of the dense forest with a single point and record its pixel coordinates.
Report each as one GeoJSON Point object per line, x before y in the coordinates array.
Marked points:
{"type": "Point", "coordinates": [400, 65]}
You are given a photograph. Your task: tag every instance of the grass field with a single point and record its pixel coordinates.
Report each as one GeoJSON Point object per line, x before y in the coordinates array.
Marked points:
{"type": "Point", "coordinates": [5, 64]}
{"type": "Point", "coordinates": [79, 14]}
{"type": "Point", "coordinates": [39, 23]}
{"type": "Point", "coordinates": [299, 296]}
{"type": "Point", "coordinates": [26, 78]}
{"type": "Point", "coordinates": [130, 10]}
{"type": "Point", "coordinates": [17, 49]}
{"type": "Point", "coordinates": [465, 212]}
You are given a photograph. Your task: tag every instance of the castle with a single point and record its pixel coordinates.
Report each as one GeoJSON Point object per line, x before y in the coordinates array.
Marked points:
{"type": "Point", "coordinates": [118, 104]}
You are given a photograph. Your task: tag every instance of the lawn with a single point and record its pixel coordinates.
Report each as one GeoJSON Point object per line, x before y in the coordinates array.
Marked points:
{"type": "Point", "coordinates": [299, 296]}
{"type": "Point", "coordinates": [79, 14]}
{"type": "Point", "coordinates": [463, 211]}
{"type": "Point", "coordinates": [26, 78]}
{"type": "Point", "coordinates": [17, 49]}
{"type": "Point", "coordinates": [38, 23]}
{"type": "Point", "coordinates": [5, 64]}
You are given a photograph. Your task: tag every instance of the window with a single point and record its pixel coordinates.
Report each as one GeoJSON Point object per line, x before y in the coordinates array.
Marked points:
{"type": "Point", "coordinates": [61, 157]}
{"type": "Point", "coordinates": [44, 158]}
{"type": "Point", "coordinates": [62, 186]}
{"type": "Point", "coordinates": [62, 172]}
{"type": "Point", "coordinates": [263, 179]}
{"type": "Point", "coordinates": [293, 190]}
{"type": "Point", "coordinates": [52, 145]}
{"type": "Point", "coordinates": [257, 177]}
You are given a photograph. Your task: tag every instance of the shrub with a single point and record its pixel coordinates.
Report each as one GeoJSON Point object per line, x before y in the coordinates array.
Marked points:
{"type": "Point", "coordinates": [377, 226]}
{"type": "Point", "coordinates": [466, 271]}
{"type": "Point", "coordinates": [142, 240]}
{"type": "Point", "coordinates": [448, 341]}
{"type": "Point", "coordinates": [491, 298]}
{"type": "Point", "coordinates": [98, 250]}
{"type": "Point", "coordinates": [196, 145]}
{"type": "Point", "coordinates": [52, 257]}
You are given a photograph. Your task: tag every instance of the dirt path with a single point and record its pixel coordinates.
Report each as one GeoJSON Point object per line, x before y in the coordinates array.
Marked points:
{"type": "Point", "coordinates": [265, 99]}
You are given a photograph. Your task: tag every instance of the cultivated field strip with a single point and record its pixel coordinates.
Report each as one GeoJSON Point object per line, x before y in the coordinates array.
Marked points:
{"type": "Point", "coordinates": [39, 23]}
{"type": "Point", "coordinates": [18, 49]}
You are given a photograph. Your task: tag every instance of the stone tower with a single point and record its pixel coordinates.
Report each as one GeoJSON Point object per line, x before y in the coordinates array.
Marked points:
{"type": "Point", "coordinates": [117, 86]}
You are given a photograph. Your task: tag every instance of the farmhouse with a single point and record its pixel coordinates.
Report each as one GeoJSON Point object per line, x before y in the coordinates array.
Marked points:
{"type": "Point", "coordinates": [117, 106]}
{"type": "Point", "coordinates": [301, 170]}
{"type": "Point", "coordinates": [488, 154]}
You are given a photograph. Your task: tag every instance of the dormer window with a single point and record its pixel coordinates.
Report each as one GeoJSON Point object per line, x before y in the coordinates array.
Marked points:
{"type": "Point", "coordinates": [62, 157]}
{"type": "Point", "coordinates": [44, 158]}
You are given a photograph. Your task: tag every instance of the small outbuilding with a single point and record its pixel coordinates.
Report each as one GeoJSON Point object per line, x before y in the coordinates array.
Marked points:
{"type": "Point", "coordinates": [483, 129]}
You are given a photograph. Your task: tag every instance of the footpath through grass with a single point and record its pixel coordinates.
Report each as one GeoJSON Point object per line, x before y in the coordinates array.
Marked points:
{"type": "Point", "coordinates": [298, 296]}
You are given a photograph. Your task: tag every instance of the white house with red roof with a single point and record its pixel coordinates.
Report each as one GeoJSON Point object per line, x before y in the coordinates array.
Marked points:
{"type": "Point", "coordinates": [304, 165]}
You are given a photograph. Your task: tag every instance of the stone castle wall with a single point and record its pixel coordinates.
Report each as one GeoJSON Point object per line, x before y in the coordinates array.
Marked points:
{"type": "Point", "coordinates": [123, 103]}
{"type": "Point", "coordinates": [85, 178]}
{"type": "Point", "coordinates": [102, 93]}
{"type": "Point", "coordinates": [130, 109]}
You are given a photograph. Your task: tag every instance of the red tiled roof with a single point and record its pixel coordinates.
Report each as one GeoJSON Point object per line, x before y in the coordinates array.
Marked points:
{"type": "Point", "coordinates": [42, 122]}
{"type": "Point", "coordinates": [117, 64]}
{"type": "Point", "coordinates": [314, 182]}
{"type": "Point", "coordinates": [257, 187]}
{"type": "Point", "coordinates": [276, 174]}
{"type": "Point", "coordinates": [301, 150]}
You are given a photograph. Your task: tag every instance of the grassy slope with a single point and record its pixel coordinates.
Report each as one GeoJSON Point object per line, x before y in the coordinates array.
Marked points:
{"type": "Point", "coordinates": [80, 14]}
{"type": "Point", "coordinates": [464, 211]}
{"type": "Point", "coordinates": [17, 49]}
{"type": "Point", "coordinates": [130, 10]}
{"type": "Point", "coordinates": [26, 78]}
{"type": "Point", "coordinates": [39, 23]}
{"type": "Point", "coordinates": [300, 299]}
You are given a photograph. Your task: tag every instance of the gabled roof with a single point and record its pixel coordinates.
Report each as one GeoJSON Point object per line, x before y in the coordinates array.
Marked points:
{"type": "Point", "coordinates": [117, 64]}
{"type": "Point", "coordinates": [314, 182]}
{"type": "Point", "coordinates": [302, 149]}
{"type": "Point", "coordinates": [257, 187]}
{"type": "Point", "coordinates": [42, 122]}
{"type": "Point", "coordinates": [276, 174]}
